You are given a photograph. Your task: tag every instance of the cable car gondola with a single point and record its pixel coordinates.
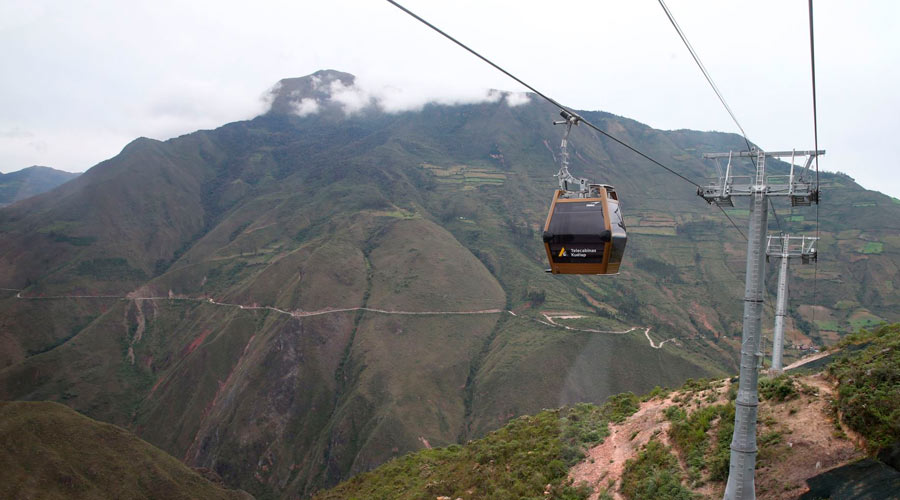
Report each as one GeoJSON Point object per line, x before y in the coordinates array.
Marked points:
{"type": "Point", "coordinates": [584, 232]}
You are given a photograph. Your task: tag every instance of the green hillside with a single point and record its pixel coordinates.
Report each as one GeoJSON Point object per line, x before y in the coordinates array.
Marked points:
{"type": "Point", "coordinates": [527, 458]}
{"type": "Point", "coordinates": [682, 451]}
{"type": "Point", "coordinates": [50, 451]}
{"type": "Point", "coordinates": [293, 300]}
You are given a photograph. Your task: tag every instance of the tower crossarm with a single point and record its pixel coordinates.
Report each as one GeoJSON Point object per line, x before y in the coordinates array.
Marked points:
{"type": "Point", "coordinates": [795, 185]}
{"type": "Point", "coordinates": [792, 247]}
{"type": "Point", "coordinates": [769, 154]}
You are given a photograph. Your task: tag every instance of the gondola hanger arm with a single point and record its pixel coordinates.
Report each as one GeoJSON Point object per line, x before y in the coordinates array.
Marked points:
{"type": "Point", "coordinates": [568, 182]}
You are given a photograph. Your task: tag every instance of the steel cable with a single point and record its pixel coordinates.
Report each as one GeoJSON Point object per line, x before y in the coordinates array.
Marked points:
{"type": "Point", "coordinates": [542, 95]}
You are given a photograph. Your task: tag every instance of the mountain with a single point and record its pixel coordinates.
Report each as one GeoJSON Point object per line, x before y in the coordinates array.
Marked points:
{"type": "Point", "coordinates": [50, 451]}
{"type": "Point", "coordinates": [300, 297]}
{"type": "Point", "coordinates": [30, 181]}
{"type": "Point", "coordinates": [675, 444]}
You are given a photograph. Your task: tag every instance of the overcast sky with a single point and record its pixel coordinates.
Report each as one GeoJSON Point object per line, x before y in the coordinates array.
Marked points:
{"type": "Point", "coordinates": [82, 79]}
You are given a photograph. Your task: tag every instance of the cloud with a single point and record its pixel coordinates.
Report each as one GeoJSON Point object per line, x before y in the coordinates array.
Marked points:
{"type": "Point", "coordinates": [180, 106]}
{"type": "Point", "coordinates": [352, 98]}
{"type": "Point", "coordinates": [73, 150]}
{"type": "Point", "coordinates": [307, 106]}
{"type": "Point", "coordinates": [39, 146]}
{"type": "Point", "coordinates": [15, 133]}
{"type": "Point", "coordinates": [368, 95]}
{"type": "Point", "coordinates": [20, 144]}
{"type": "Point", "coordinates": [414, 97]}
{"type": "Point", "coordinates": [514, 99]}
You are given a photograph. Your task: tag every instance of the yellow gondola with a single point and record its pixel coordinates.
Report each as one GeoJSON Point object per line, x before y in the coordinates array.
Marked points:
{"type": "Point", "coordinates": [585, 235]}
{"type": "Point", "coordinates": [584, 232]}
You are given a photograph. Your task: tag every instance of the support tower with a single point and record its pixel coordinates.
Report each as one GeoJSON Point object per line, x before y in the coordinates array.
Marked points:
{"type": "Point", "coordinates": [787, 247]}
{"type": "Point", "coordinates": [799, 187]}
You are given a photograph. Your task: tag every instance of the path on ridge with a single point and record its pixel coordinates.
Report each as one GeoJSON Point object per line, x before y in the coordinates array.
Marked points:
{"type": "Point", "coordinates": [304, 314]}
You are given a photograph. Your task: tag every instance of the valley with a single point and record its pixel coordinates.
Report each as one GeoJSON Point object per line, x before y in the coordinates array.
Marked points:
{"type": "Point", "coordinates": [291, 301]}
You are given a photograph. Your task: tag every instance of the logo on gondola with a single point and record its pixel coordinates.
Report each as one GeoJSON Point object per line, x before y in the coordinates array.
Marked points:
{"type": "Point", "coordinates": [562, 252]}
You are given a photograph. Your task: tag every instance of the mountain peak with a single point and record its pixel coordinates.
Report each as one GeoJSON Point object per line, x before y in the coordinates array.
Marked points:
{"type": "Point", "coordinates": [308, 94]}
{"type": "Point", "coordinates": [30, 181]}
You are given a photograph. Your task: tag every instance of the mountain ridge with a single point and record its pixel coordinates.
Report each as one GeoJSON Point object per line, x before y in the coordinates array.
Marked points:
{"type": "Point", "coordinates": [50, 451]}
{"type": "Point", "coordinates": [437, 210]}
{"type": "Point", "coordinates": [31, 181]}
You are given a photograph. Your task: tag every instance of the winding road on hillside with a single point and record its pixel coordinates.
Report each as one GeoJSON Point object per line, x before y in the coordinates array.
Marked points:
{"type": "Point", "coordinates": [550, 322]}
{"type": "Point", "coordinates": [304, 314]}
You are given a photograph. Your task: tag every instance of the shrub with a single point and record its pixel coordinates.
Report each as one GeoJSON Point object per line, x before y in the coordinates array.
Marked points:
{"type": "Point", "coordinates": [657, 392]}
{"type": "Point", "coordinates": [868, 396]}
{"type": "Point", "coordinates": [689, 434]}
{"type": "Point", "coordinates": [654, 473]}
{"type": "Point", "coordinates": [780, 388]}
{"type": "Point", "coordinates": [720, 457]}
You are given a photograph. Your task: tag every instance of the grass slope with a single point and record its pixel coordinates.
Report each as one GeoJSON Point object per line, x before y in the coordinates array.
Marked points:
{"type": "Point", "coordinates": [50, 451]}
{"type": "Point", "coordinates": [868, 400]}
{"type": "Point", "coordinates": [684, 455]}
{"type": "Point", "coordinates": [527, 458]}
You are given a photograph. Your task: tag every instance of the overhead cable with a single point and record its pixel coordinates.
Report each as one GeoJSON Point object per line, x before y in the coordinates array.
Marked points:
{"type": "Point", "coordinates": [777, 220]}
{"type": "Point", "coordinates": [812, 57]}
{"type": "Point", "coordinates": [732, 221]}
{"type": "Point", "coordinates": [812, 60]}
{"type": "Point", "coordinates": [545, 97]}
{"type": "Point", "coordinates": [718, 93]}
{"type": "Point", "coordinates": [703, 69]}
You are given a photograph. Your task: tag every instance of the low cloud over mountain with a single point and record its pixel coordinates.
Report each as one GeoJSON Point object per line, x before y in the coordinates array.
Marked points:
{"type": "Point", "coordinates": [334, 91]}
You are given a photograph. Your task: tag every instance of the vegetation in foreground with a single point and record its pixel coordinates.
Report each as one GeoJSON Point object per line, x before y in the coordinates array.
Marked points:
{"type": "Point", "coordinates": [531, 456]}
{"type": "Point", "coordinates": [868, 397]}
{"type": "Point", "coordinates": [706, 455]}
{"type": "Point", "coordinates": [528, 458]}
{"type": "Point", "coordinates": [655, 473]}
{"type": "Point", "coordinates": [52, 451]}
